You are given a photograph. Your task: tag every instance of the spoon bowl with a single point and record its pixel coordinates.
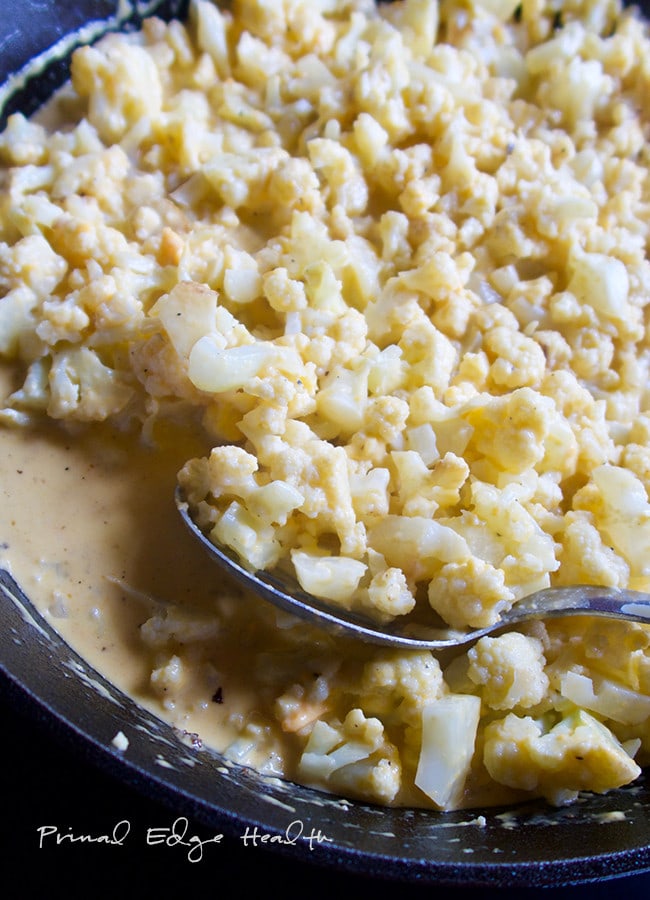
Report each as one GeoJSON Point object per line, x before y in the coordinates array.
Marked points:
{"type": "Point", "coordinates": [281, 589]}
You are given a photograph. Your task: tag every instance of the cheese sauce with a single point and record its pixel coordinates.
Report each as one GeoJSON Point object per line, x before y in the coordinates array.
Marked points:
{"type": "Point", "coordinates": [89, 530]}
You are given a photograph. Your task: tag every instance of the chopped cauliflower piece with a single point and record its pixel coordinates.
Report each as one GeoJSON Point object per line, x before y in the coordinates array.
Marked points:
{"type": "Point", "coordinates": [343, 396]}
{"type": "Point", "coordinates": [333, 578]}
{"type": "Point", "coordinates": [32, 263]}
{"type": "Point", "coordinates": [603, 283]}
{"type": "Point", "coordinates": [605, 698]}
{"type": "Point", "coordinates": [168, 677]}
{"type": "Point", "coordinates": [449, 726]}
{"type": "Point", "coordinates": [216, 369]}
{"type": "Point", "coordinates": [411, 542]}
{"type": "Point", "coordinates": [187, 312]}
{"type": "Point", "coordinates": [352, 756]}
{"type": "Point", "coordinates": [248, 535]}
{"type": "Point", "coordinates": [626, 515]}
{"type": "Point", "coordinates": [511, 430]}
{"type": "Point", "coordinates": [519, 360]}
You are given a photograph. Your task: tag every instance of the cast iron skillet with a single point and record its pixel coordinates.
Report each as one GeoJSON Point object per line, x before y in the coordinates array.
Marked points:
{"type": "Point", "coordinates": [525, 846]}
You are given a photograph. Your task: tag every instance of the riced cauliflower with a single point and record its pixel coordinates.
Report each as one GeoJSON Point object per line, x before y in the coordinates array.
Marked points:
{"type": "Point", "coordinates": [387, 265]}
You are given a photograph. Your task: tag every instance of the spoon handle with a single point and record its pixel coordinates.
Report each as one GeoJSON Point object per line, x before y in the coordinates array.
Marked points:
{"type": "Point", "coordinates": [615, 603]}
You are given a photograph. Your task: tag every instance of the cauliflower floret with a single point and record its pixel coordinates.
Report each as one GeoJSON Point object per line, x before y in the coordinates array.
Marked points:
{"type": "Point", "coordinates": [295, 185]}
{"type": "Point", "coordinates": [284, 294]}
{"type": "Point", "coordinates": [121, 82]}
{"type": "Point", "coordinates": [17, 318]}
{"type": "Point", "coordinates": [511, 431]}
{"type": "Point", "coordinates": [526, 553]}
{"type": "Point", "coordinates": [576, 89]}
{"type": "Point", "coordinates": [369, 492]}
{"type": "Point", "coordinates": [250, 537]}
{"type": "Point", "coordinates": [577, 754]}
{"type": "Point", "coordinates": [22, 142]}
{"type": "Point", "coordinates": [592, 354]}
{"type": "Point", "coordinates": [34, 393]}
{"type": "Point", "coordinates": [248, 523]}
{"type": "Point", "coordinates": [284, 382]}
{"type": "Point", "coordinates": [275, 502]}
{"type": "Point", "coordinates": [232, 471]}
{"type": "Point", "coordinates": [385, 417]}
{"type": "Point", "coordinates": [342, 397]}
{"type": "Point", "coordinates": [422, 439]}
{"type": "Point", "coordinates": [298, 708]}
{"type": "Point", "coordinates": [62, 320]}
{"type": "Point", "coordinates": [216, 369]}
{"type": "Point", "coordinates": [212, 29]}
{"type": "Point", "coordinates": [347, 187]}
{"type": "Point", "coordinates": [175, 625]}
{"type": "Point", "coordinates": [509, 670]}
{"type": "Point", "coordinates": [586, 559]}
{"type": "Point", "coordinates": [470, 593]}
{"type": "Point", "coordinates": [240, 179]}
{"type": "Point", "coordinates": [396, 685]}
{"type": "Point", "coordinates": [423, 490]}
{"type": "Point", "coordinates": [160, 370]}
{"type": "Point", "coordinates": [112, 303]}
{"type": "Point", "coordinates": [389, 594]}
{"type": "Point", "coordinates": [83, 388]}
{"type": "Point", "coordinates": [352, 757]}
{"type": "Point", "coordinates": [432, 358]}
{"type": "Point", "coordinates": [31, 262]}
{"type": "Point", "coordinates": [519, 361]}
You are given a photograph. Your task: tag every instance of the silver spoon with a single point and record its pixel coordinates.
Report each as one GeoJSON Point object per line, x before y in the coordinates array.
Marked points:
{"type": "Point", "coordinates": [284, 592]}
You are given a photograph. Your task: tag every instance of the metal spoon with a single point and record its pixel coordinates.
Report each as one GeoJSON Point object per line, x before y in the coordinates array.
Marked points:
{"type": "Point", "coordinates": [284, 592]}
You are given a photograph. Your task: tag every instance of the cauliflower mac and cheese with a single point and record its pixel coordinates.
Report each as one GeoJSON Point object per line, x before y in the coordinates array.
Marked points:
{"type": "Point", "coordinates": [372, 278]}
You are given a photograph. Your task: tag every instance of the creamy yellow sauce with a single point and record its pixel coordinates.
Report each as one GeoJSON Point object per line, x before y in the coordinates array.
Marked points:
{"type": "Point", "coordinates": [89, 530]}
